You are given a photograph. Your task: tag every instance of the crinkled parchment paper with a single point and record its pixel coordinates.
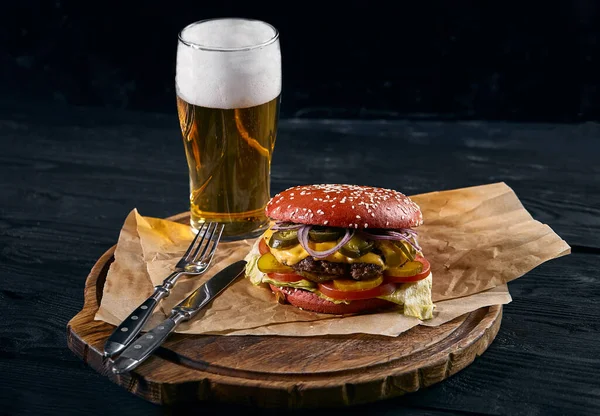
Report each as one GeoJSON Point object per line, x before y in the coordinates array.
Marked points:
{"type": "Point", "coordinates": [477, 239]}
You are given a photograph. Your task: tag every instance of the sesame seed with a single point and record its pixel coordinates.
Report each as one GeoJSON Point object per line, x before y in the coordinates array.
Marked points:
{"type": "Point", "coordinates": [358, 216]}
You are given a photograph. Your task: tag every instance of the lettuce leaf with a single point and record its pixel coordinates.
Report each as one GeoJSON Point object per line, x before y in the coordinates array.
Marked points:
{"type": "Point", "coordinates": [252, 272]}
{"type": "Point", "coordinates": [416, 298]}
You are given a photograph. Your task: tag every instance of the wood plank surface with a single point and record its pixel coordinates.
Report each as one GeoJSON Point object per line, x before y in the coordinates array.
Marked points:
{"type": "Point", "coordinates": [286, 372]}
{"type": "Point", "coordinates": [68, 178]}
{"type": "Point", "coordinates": [552, 168]}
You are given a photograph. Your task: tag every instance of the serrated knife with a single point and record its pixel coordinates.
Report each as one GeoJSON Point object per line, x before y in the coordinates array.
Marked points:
{"type": "Point", "coordinates": [143, 347]}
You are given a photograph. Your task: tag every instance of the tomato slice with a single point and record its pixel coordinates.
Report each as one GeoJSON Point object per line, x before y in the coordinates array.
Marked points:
{"type": "Point", "coordinates": [263, 248]}
{"type": "Point", "coordinates": [328, 289]}
{"type": "Point", "coordinates": [415, 278]}
{"type": "Point", "coordinates": [285, 277]}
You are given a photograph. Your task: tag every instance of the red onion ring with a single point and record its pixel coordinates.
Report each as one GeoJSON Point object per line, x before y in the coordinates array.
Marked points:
{"type": "Point", "coordinates": [395, 236]}
{"type": "Point", "coordinates": [280, 226]}
{"type": "Point", "coordinates": [303, 239]}
{"type": "Point", "coordinates": [404, 234]}
{"type": "Point", "coordinates": [406, 238]}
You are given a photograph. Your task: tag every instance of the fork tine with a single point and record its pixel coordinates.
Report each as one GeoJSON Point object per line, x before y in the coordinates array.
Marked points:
{"type": "Point", "coordinates": [201, 233]}
{"type": "Point", "coordinates": [215, 241]}
{"type": "Point", "coordinates": [202, 246]}
{"type": "Point", "coordinates": [197, 254]}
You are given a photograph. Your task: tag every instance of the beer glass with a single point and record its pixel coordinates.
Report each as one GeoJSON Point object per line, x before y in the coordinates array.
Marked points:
{"type": "Point", "coordinates": [228, 83]}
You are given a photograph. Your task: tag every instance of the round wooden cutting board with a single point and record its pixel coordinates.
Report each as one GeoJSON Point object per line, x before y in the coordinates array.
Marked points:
{"type": "Point", "coordinates": [292, 372]}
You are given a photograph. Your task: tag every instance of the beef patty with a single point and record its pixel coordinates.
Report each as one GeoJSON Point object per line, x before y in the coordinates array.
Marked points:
{"type": "Point", "coordinates": [321, 270]}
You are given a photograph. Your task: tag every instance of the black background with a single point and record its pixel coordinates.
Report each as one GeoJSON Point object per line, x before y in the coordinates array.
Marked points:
{"type": "Point", "coordinates": [69, 176]}
{"type": "Point", "coordinates": [525, 61]}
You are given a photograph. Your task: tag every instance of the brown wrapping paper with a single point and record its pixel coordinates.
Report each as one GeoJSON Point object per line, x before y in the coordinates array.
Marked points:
{"type": "Point", "coordinates": [477, 239]}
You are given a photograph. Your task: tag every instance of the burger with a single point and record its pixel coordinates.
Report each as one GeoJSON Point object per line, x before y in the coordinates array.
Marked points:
{"type": "Point", "coordinates": [343, 249]}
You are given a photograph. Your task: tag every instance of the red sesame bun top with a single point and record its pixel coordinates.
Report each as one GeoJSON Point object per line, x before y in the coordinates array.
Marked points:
{"type": "Point", "coordinates": [345, 206]}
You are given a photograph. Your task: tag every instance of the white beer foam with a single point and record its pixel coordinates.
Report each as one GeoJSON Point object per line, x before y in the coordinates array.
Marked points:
{"type": "Point", "coordinates": [228, 78]}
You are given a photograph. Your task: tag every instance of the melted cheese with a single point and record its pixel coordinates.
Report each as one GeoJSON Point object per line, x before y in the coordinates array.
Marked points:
{"type": "Point", "coordinates": [293, 255]}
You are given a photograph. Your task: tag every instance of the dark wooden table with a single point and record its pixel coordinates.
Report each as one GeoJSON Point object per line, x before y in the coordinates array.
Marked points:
{"type": "Point", "coordinates": [68, 178]}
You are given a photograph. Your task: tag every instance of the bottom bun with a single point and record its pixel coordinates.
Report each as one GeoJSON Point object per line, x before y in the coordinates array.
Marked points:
{"type": "Point", "coordinates": [311, 302]}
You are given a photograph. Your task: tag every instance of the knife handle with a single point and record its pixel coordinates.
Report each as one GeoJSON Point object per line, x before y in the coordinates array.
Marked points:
{"type": "Point", "coordinates": [145, 345]}
{"type": "Point", "coordinates": [128, 330]}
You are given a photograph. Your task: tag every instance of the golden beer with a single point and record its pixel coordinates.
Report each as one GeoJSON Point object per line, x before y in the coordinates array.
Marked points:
{"type": "Point", "coordinates": [229, 158]}
{"type": "Point", "coordinates": [228, 80]}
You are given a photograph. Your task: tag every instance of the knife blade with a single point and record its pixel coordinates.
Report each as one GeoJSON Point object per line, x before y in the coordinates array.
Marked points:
{"type": "Point", "coordinates": [143, 347]}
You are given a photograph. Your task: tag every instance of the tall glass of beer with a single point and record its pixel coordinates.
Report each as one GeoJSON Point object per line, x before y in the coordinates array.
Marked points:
{"type": "Point", "coordinates": [228, 83]}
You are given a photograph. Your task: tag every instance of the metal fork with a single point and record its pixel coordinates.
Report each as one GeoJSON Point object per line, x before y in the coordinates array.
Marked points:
{"type": "Point", "coordinates": [194, 262]}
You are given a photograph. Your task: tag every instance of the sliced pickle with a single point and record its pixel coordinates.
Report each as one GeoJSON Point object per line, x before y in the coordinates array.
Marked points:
{"type": "Point", "coordinates": [408, 250]}
{"type": "Point", "coordinates": [321, 235]}
{"type": "Point", "coordinates": [350, 285]}
{"type": "Point", "coordinates": [356, 247]}
{"type": "Point", "coordinates": [267, 263]}
{"type": "Point", "coordinates": [394, 256]}
{"type": "Point", "coordinates": [410, 268]}
{"type": "Point", "coordinates": [284, 239]}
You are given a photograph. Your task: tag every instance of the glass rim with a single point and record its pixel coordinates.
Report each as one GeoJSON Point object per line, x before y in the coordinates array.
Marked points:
{"type": "Point", "coordinates": [228, 49]}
